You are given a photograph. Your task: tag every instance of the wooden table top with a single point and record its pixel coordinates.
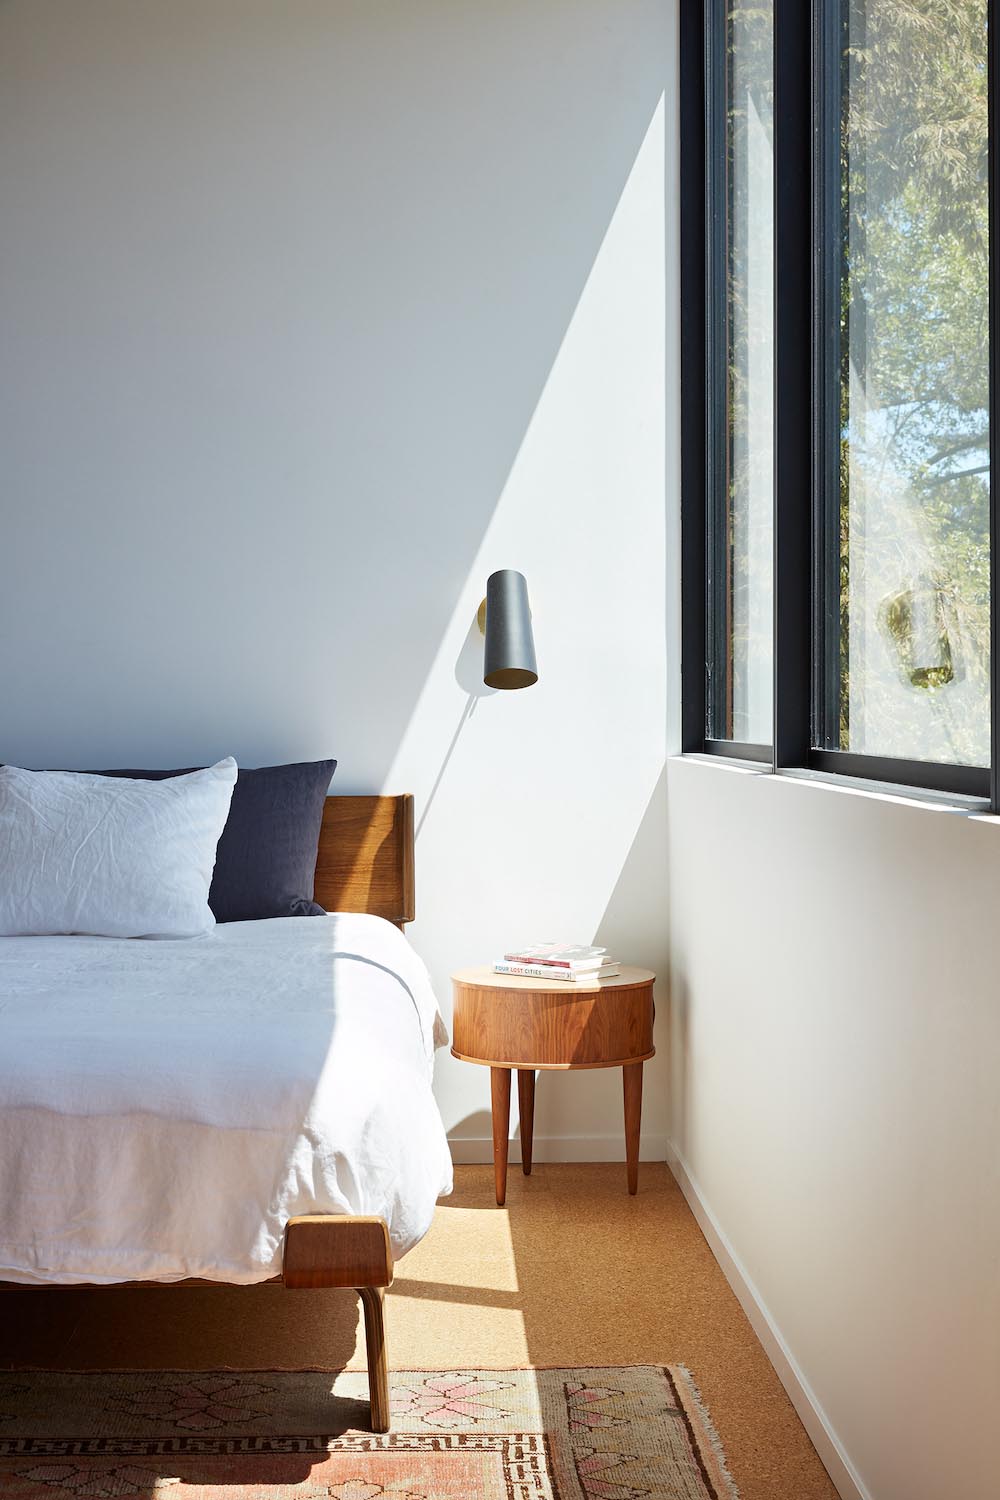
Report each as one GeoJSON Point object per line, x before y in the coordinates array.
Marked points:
{"type": "Point", "coordinates": [487, 979]}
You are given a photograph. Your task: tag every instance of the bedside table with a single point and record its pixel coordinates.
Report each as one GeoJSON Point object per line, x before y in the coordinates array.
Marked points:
{"type": "Point", "coordinates": [503, 1021]}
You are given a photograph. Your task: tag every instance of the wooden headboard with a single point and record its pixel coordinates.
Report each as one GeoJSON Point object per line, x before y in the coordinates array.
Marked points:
{"type": "Point", "coordinates": [365, 859]}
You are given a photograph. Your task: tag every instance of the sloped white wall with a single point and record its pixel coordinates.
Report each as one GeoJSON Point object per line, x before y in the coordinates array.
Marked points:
{"type": "Point", "coordinates": [313, 312]}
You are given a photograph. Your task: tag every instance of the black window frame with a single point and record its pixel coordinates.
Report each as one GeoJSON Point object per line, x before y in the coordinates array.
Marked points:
{"type": "Point", "coordinates": [806, 90]}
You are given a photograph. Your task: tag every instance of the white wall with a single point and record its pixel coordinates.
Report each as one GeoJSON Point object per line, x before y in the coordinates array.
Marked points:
{"type": "Point", "coordinates": [834, 1097]}
{"type": "Point", "coordinates": [313, 312]}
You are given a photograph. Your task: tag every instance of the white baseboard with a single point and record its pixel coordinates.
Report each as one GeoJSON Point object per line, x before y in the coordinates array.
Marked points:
{"type": "Point", "coordinates": [475, 1150]}
{"type": "Point", "coordinates": [836, 1462]}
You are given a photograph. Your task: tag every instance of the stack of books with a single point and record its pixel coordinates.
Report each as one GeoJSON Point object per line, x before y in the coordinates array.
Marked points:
{"type": "Point", "coordinates": [572, 963]}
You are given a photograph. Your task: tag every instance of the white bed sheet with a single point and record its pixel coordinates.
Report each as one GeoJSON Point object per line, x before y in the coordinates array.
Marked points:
{"type": "Point", "coordinates": [165, 1107]}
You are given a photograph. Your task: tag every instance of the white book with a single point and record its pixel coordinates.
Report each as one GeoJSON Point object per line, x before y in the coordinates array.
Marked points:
{"type": "Point", "coordinates": [558, 975]}
{"type": "Point", "coordinates": [565, 955]}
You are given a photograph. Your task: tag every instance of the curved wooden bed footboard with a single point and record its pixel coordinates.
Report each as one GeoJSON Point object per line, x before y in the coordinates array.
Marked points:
{"type": "Point", "coordinates": [324, 1250]}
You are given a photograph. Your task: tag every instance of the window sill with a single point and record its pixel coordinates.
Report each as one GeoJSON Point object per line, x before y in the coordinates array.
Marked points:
{"type": "Point", "coordinates": [881, 791]}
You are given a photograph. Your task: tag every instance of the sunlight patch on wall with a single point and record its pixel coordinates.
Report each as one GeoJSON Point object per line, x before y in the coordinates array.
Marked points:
{"type": "Point", "coordinates": [533, 798]}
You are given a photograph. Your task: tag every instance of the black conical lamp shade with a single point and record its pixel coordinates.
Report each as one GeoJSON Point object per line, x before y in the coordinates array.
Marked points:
{"type": "Point", "coordinates": [510, 647]}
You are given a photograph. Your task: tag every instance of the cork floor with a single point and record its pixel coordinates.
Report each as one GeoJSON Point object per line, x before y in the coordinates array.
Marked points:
{"type": "Point", "coordinates": [571, 1272]}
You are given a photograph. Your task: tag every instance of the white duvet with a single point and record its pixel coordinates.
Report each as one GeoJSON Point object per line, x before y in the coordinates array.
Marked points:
{"type": "Point", "coordinates": [165, 1107]}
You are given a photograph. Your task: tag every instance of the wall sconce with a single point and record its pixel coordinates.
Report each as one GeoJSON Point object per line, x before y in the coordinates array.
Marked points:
{"type": "Point", "coordinates": [505, 621]}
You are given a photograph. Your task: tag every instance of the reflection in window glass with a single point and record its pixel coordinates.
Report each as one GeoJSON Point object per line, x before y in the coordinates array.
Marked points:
{"type": "Point", "coordinates": [911, 675]}
{"type": "Point", "coordinates": [741, 627]}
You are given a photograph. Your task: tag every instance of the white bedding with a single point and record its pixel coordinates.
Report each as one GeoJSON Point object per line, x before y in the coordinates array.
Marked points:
{"type": "Point", "coordinates": [165, 1107]}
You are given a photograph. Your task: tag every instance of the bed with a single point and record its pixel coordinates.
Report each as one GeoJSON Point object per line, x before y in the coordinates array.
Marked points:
{"type": "Point", "coordinates": [289, 1059]}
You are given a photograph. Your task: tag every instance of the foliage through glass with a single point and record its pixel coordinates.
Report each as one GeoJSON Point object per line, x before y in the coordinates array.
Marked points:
{"type": "Point", "coordinates": [910, 592]}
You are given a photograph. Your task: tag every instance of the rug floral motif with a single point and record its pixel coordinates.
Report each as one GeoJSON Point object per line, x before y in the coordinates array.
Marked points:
{"type": "Point", "coordinates": [637, 1433]}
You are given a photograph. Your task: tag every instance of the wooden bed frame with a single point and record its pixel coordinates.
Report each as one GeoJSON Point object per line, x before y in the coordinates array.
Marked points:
{"type": "Point", "coordinates": [364, 864]}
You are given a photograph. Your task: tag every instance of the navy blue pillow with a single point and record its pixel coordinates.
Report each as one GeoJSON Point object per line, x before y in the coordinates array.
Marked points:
{"type": "Point", "coordinates": [265, 865]}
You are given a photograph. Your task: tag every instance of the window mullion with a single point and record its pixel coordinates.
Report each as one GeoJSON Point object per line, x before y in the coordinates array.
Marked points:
{"type": "Point", "coordinates": [793, 423]}
{"type": "Point", "coordinates": [693, 23]}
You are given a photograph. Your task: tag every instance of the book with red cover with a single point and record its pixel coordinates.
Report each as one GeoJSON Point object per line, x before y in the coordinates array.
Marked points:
{"type": "Point", "coordinates": [559, 955]}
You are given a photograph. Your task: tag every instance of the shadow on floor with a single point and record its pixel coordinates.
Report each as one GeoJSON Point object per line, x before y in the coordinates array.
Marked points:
{"type": "Point", "coordinates": [178, 1328]}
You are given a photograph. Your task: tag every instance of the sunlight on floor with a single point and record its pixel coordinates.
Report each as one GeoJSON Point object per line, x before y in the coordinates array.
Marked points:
{"type": "Point", "coordinates": [466, 1263]}
{"type": "Point", "coordinates": [476, 1245]}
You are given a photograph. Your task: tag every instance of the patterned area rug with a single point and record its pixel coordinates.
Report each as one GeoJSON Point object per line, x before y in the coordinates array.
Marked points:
{"type": "Point", "coordinates": [588, 1434]}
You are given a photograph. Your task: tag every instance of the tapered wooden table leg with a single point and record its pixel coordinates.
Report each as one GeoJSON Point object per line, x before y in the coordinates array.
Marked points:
{"type": "Point", "coordinates": [526, 1109]}
{"type": "Point", "coordinates": [500, 1092]}
{"type": "Point", "coordinates": [632, 1078]}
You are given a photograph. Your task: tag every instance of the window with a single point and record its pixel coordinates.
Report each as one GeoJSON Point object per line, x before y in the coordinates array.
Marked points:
{"type": "Point", "coordinates": [837, 194]}
{"type": "Point", "coordinates": [908, 522]}
{"type": "Point", "coordinates": [739, 665]}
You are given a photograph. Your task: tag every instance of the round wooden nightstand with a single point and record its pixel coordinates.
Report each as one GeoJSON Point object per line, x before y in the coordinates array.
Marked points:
{"type": "Point", "coordinates": [504, 1022]}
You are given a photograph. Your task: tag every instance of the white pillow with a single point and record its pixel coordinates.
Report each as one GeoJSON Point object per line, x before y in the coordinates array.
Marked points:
{"type": "Point", "coordinates": [108, 855]}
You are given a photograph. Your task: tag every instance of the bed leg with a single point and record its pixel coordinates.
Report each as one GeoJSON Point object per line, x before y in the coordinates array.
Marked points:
{"type": "Point", "coordinates": [373, 1302]}
{"type": "Point", "coordinates": [347, 1250]}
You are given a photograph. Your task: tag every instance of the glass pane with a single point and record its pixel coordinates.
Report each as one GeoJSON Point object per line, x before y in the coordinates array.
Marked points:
{"type": "Point", "coordinates": [911, 676]}
{"type": "Point", "coordinates": [741, 627]}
